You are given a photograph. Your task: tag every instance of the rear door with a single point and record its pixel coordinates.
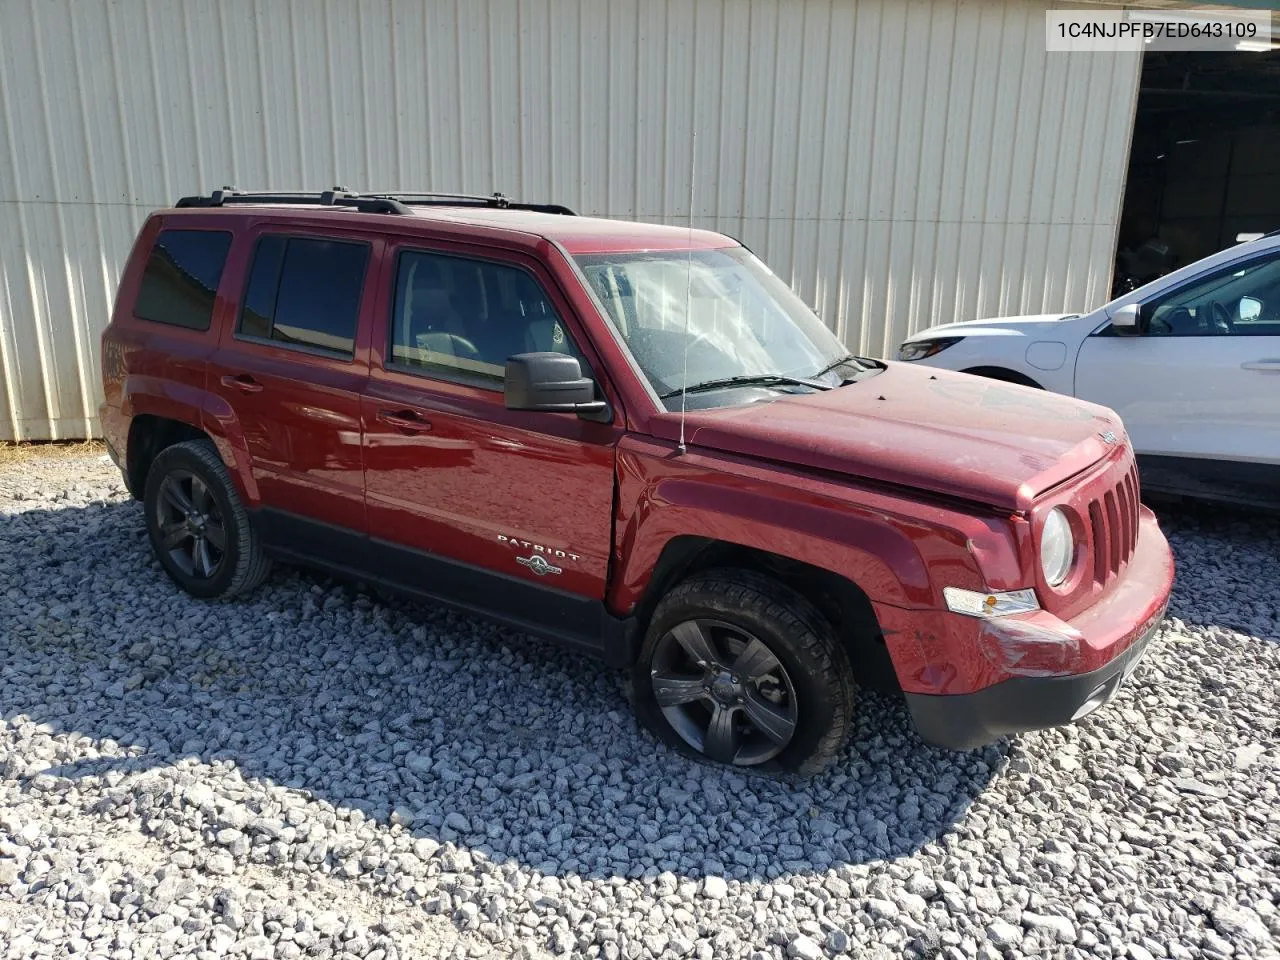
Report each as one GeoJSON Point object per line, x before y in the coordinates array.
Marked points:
{"type": "Point", "coordinates": [1200, 387]}
{"type": "Point", "coordinates": [291, 369]}
{"type": "Point", "coordinates": [504, 511]}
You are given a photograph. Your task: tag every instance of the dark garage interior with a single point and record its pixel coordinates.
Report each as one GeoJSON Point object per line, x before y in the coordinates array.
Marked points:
{"type": "Point", "coordinates": [1205, 161]}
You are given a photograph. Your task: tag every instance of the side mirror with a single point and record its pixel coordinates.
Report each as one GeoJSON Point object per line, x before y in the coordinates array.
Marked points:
{"type": "Point", "coordinates": [1125, 320]}
{"type": "Point", "coordinates": [1250, 308]}
{"type": "Point", "coordinates": [552, 383]}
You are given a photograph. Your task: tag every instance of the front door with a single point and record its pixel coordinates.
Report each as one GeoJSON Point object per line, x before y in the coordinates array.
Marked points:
{"type": "Point", "coordinates": [497, 510]}
{"type": "Point", "coordinates": [1199, 388]}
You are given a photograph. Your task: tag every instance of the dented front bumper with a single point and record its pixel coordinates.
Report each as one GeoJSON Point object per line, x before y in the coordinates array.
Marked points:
{"type": "Point", "coordinates": [1048, 671]}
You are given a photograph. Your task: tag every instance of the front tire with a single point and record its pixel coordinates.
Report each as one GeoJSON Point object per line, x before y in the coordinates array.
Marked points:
{"type": "Point", "coordinates": [737, 668]}
{"type": "Point", "coordinates": [199, 529]}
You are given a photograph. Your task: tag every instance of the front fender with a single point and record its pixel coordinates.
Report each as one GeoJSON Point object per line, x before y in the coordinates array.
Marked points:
{"type": "Point", "coordinates": [663, 495]}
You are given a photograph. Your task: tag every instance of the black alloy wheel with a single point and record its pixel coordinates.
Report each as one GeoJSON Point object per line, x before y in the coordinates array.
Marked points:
{"type": "Point", "coordinates": [198, 527]}
{"type": "Point", "coordinates": [724, 692]}
{"type": "Point", "coordinates": [192, 531]}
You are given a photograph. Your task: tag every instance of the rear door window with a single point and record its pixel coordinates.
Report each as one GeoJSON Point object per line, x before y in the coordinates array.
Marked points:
{"type": "Point", "coordinates": [181, 278]}
{"type": "Point", "coordinates": [305, 292]}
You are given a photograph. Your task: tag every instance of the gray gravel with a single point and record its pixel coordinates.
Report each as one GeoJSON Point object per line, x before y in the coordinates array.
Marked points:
{"type": "Point", "coordinates": [316, 772]}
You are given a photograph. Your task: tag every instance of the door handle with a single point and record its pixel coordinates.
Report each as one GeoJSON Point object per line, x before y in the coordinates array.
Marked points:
{"type": "Point", "coordinates": [242, 382]}
{"type": "Point", "coordinates": [405, 420]}
{"type": "Point", "coordinates": [1262, 366]}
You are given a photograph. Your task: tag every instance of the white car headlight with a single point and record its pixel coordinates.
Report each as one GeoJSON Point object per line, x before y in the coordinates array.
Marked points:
{"type": "Point", "coordinates": [919, 349]}
{"type": "Point", "coordinates": [1057, 547]}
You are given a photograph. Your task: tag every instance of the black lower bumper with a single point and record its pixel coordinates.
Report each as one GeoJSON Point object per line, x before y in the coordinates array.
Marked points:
{"type": "Point", "coordinates": [968, 720]}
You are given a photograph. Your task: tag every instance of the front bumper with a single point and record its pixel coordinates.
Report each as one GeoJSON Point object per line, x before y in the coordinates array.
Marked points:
{"type": "Point", "coordinates": [1045, 672]}
{"type": "Point", "coordinates": [967, 720]}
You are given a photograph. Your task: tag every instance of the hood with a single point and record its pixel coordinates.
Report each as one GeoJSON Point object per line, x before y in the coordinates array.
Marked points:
{"type": "Point", "coordinates": [920, 427]}
{"type": "Point", "coordinates": [1006, 326]}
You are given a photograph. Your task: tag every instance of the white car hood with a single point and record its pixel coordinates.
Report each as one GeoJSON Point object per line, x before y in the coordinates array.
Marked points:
{"type": "Point", "coordinates": [997, 327]}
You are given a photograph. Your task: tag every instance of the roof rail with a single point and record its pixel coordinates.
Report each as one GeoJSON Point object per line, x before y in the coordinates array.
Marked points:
{"type": "Point", "coordinates": [398, 203]}
{"type": "Point", "coordinates": [498, 200]}
{"type": "Point", "coordinates": [337, 197]}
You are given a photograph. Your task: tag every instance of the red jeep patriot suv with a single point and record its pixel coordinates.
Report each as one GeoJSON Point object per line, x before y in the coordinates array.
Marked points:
{"type": "Point", "coordinates": [630, 438]}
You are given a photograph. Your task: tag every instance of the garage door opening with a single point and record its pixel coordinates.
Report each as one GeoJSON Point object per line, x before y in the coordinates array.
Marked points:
{"type": "Point", "coordinates": [1205, 164]}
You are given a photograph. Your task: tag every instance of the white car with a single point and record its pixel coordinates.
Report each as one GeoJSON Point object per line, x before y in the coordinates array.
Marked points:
{"type": "Point", "coordinates": [1190, 361]}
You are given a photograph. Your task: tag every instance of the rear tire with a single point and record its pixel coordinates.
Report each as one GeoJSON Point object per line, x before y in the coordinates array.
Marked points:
{"type": "Point", "coordinates": [747, 672]}
{"type": "Point", "coordinates": [199, 530]}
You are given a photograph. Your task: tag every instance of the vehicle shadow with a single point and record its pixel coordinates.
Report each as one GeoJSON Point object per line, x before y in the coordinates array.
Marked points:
{"type": "Point", "coordinates": [466, 732]}
{"type": "Point", "coordinates": [1225, 560]}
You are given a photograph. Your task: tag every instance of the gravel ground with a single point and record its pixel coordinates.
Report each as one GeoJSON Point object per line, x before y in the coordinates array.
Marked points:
{"type": "Point", "coordinates": [316, 772]}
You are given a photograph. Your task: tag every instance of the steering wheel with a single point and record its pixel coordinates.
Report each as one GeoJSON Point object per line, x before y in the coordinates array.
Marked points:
{"type": "Point", "coordinates": [1220, 317]}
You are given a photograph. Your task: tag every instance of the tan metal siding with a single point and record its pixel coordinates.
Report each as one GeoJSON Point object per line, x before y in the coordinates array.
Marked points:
{"type": "Point", "coordinates": [900, 162]}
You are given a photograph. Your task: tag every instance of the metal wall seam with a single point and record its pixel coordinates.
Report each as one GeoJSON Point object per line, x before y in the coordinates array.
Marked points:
{"type": "Point", "coordinates": [900, 162]}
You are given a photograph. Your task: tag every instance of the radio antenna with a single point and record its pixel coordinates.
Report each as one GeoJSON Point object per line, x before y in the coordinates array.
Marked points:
{"type": "Point", "coordinates": [688, 293]}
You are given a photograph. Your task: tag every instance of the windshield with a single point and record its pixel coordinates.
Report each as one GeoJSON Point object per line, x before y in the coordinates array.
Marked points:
{"type": "Point", "coordinates": [743, 322]}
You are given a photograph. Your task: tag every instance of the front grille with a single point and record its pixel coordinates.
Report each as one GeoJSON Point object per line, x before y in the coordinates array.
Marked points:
{"type": "Point", "coordinates": [1113, 522]}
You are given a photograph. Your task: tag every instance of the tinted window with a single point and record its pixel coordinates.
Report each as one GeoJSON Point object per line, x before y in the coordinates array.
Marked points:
{"type": "Point", "coordinates": [305, 292]}
{"type": "Point", "coordinates": [1243, 300]}
{"type": "Point", "coordinates": [181, 277]}
{"type": "Point", "coordinates": [468, 316]}
{"type": "Point", "coordinates": [264, 279]}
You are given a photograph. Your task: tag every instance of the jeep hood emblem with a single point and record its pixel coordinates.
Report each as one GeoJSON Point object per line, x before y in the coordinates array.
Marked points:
{"type": "Point", "coordinates": [539, 565]}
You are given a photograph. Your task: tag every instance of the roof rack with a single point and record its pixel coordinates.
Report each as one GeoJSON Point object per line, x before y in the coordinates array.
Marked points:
{"type": "Point", "coordinates": [397, 203]}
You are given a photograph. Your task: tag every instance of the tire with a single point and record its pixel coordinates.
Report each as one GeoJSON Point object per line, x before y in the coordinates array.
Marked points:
{"type": "Point", "coordinates": [192, 475]}
{"type": "Point", "coordinates": [813, 692]}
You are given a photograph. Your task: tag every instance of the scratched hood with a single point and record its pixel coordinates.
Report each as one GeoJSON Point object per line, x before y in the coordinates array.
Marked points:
{"type": "Point", "coordinates": [920, 427]}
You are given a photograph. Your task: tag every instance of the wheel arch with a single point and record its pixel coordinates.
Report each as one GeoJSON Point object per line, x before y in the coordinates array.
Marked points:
{"type": "Point", "coordinates": [843, 603]}
{"type": "Point", "coordinates": [160, 415]}
{"type": "Point", "coordinates": [149, 434]}
{"type": "Point", "coordinates": [1003, 374]}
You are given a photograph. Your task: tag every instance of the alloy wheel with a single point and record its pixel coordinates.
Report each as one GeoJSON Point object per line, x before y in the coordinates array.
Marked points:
{"type": "Point", "coordinates": [191, 527]}
{"type": "Point", "coordinates": [724, 691]}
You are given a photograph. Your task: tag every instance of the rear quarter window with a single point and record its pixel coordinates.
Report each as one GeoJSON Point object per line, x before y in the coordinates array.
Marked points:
{"type": "Point", "coordinates": [180, 282]}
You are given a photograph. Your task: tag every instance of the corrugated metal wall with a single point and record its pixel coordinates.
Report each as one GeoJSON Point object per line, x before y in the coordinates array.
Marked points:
{"type": "Point", "coordinates": [901, 162]}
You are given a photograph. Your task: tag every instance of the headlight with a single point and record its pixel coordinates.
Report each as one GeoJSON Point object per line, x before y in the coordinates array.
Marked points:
{"type": "Point", "coordinates": [1057, 547]}
{"type": "Point", "coordinates": [919, 349]}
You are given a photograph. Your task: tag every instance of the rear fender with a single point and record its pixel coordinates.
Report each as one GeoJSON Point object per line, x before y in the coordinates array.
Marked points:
{"type": "Point", "coordinates": [206, 411]}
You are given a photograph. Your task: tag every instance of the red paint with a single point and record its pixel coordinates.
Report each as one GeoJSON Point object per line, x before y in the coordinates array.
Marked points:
{"type": "Point", "coordinates": [925, 429]}
{"type": "Point", "coordinates": [905, 483]}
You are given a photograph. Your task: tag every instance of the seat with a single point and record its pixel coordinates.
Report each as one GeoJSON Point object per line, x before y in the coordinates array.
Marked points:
{"type": "Point", "coordinates": [431, 308]}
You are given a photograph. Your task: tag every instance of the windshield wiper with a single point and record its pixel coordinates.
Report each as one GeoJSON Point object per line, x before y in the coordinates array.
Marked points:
{"type": "Point", "coordinates": [753, 379]}
{"type": "Point", "coordinates": [847, 358]}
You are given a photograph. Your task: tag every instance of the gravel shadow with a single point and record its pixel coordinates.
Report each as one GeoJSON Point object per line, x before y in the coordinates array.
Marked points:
{"type": "Point", "coordinates": [456, 729]}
